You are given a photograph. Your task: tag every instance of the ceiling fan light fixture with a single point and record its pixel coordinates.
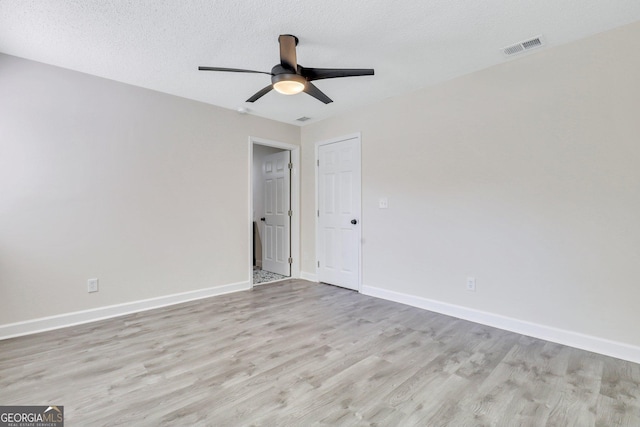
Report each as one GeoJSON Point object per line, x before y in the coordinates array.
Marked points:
{"type": "Point", "coordinates": [289, 87]}
{"type": "Point", "coordinates": [288, 84]}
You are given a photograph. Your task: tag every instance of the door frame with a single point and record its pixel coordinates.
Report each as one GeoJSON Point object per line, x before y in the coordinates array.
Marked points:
{"type": "Point", "coordinates": [358, 137]}
{"type": "Point", "coordinates": [295, 203]}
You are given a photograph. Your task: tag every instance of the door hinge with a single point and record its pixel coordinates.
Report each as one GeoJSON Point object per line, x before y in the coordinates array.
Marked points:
{"type": "Point", "coordinates": [290, 213]}
{"type": "Point", "coordinates": [318, 162]}
{"type": "Point", "coordinates": [318, 213]}
{"type": "Point", "coordinates": [290, 165]}
{"type": "Point", "coordinates": [318, 263]}
{"type": "Point", "coordinates": [290, 260]}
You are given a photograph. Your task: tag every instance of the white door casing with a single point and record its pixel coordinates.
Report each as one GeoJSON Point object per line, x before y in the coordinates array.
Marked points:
{"type": "Point", "coordinates": [277, 224]}
{"type": "Point", "coordinates": [339, 210]}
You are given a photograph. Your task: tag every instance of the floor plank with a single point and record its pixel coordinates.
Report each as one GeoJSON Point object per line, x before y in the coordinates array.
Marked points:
{"type": "Point", "coordinates": [301, 354]}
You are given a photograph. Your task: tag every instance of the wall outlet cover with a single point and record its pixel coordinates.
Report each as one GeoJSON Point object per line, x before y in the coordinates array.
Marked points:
{"type": "Point", "coordinates": [92, 285]}
{"type": "Point", "coordinates": [471, 284]}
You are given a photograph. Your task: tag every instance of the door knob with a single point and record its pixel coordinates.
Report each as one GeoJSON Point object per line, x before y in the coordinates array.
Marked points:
{"type": "Point", "coordinates": [263, 219]}
{"type": "Point", "coordinates": [354, 221]}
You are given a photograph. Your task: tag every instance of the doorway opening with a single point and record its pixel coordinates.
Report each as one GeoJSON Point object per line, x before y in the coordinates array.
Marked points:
{"type": "Point", "coordinates": [274, 211]}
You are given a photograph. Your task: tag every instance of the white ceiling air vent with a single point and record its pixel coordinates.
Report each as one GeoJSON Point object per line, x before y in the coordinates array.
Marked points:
{"type": "Point", "coordinates": [303, 119]}
{"type": "Point", "coordinates": [523, 46]}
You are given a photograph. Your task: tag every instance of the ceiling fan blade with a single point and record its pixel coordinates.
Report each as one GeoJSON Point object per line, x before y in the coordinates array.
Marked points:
{"type": "Point", "coordinates": [259, 94]}
{"type": "Point", "coordinates": [233, 70]}
{"type": "Point", "coordinates": [288, 57]}
{"type": "Point", "coordinates": [312, 90]}
{"type": "Point", "coordinates": [332, 73]}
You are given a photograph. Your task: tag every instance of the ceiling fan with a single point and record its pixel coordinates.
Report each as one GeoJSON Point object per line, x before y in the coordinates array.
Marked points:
{"type": "Point", "coordinates": [290, 78]}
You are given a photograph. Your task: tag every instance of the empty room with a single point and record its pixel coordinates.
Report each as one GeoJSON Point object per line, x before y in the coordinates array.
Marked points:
{"type": "Point", "coordinates": [296, 213]}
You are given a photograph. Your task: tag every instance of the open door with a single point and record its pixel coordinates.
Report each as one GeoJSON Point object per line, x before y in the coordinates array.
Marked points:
{"type": "Point", "coordinates": [276, 222]}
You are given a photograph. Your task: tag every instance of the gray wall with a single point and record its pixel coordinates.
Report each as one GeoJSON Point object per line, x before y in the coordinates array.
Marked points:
{"type": "Point", "coordinates": [525, 175]}
{"type": "Point", "coordinates": [146, 191]}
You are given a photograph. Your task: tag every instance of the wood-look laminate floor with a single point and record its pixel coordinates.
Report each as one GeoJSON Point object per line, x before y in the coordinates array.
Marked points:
{"type": "Point", "coordinates": [301, 354]}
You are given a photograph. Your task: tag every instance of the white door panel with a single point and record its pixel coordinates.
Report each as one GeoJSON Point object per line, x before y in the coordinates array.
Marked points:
{"type": "Point", "coordinates": [276, 224]}
{"type": "Point", "coordinates": [338, 208]}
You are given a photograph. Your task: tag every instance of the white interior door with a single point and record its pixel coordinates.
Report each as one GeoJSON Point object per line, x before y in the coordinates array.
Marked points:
{"type": "Point", "coordinates": [339, 213]}
{"type": "Point", "coordinates": [276, 222]}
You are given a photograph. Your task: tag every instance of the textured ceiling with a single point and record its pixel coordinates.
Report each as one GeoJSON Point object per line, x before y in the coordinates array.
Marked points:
{"type": "Point", "coordinates": [411, 44]}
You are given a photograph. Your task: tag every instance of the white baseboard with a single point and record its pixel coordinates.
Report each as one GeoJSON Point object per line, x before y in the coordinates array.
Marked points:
{"type": "Point", "coordinates": [79, 317]}
{"type": "Point", "coordinates": [312, 277]}
{"type": "Point", "coordinates": [561, 336]}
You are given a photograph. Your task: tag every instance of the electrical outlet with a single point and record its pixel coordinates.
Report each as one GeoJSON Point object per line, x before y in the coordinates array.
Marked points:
{"type": "Point", "coordinates": [92, 285]}
{"type": "Point", "coordinates": [471, 284]}
{"type": "Point", "coordinates": [383, 203]}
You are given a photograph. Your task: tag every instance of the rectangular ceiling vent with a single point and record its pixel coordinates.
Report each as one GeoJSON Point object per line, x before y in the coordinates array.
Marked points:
{"type": "Point", "coordinates": [523, 46]}
{"type": "Point", "coordinates": [303, 119]}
